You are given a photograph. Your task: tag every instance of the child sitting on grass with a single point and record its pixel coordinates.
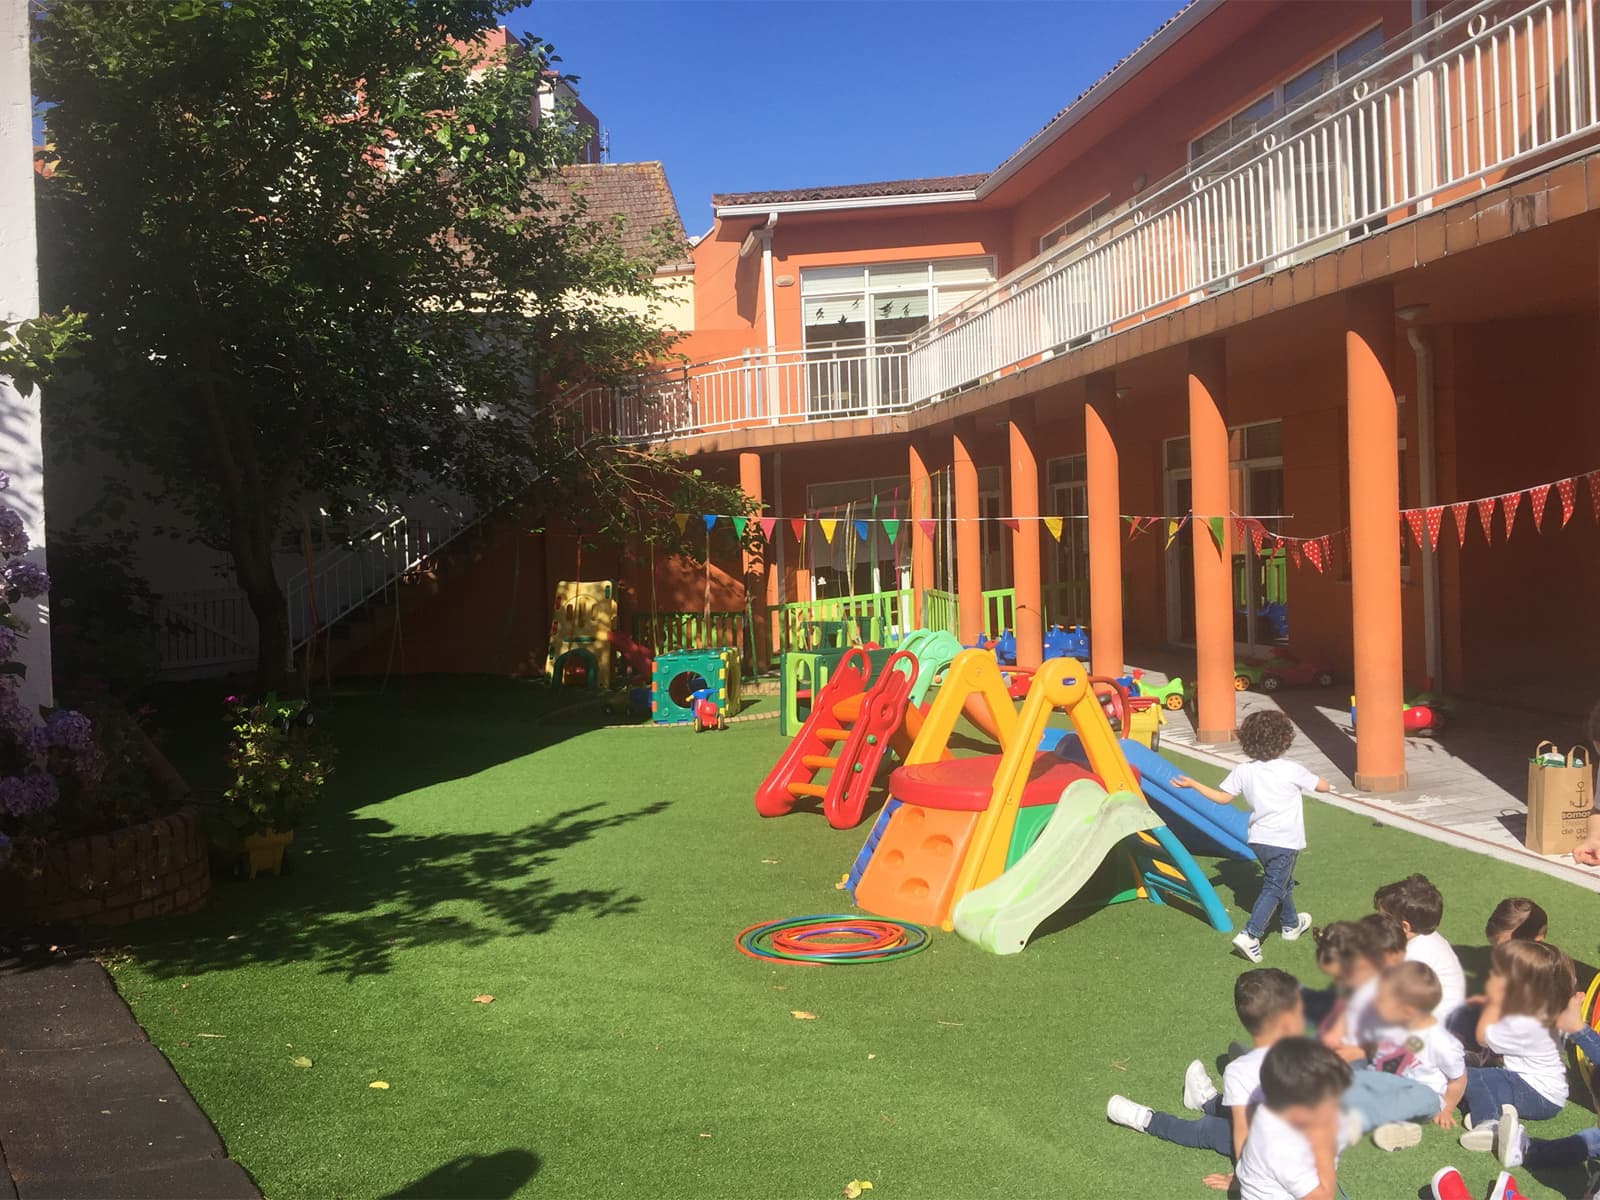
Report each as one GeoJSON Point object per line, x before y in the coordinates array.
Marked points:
{"type": "Point", "coordinates": [1274, 789]}
{"type": "Point", "coordinates": [1418, 1067]}
{"type": "Point", "coordinates": [1292, 1151]}
{"type": "Point", "coordinates": [1267, 1002]}
{"type": "Point", "coordinates": [1515, 1148]}
{"type": "Point", "coordinates": [1418, 906]}
{"type": "Point", "coordinates": [1346, 954]}
{"type": "Point", "coordinates": [1530, 987]}
{"type": "Point", "coordinates": [1513, 919]}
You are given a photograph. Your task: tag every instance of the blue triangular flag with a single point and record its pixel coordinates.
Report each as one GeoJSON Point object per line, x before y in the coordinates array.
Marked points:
{"type": "Point", "coordinates": [861, 529]}
{"type": "Point", "coordinates": [710, 520]}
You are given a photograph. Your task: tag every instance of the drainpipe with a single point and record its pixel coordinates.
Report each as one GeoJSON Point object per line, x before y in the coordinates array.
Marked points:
{"type": "Point", "coordinates": [1428, 490]}
{"type": "Point", "coordinates": [773, 400]}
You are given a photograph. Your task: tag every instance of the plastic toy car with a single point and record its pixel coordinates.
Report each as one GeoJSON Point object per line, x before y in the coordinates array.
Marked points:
{"type": "Point", "coordinates": [1171, 694]}
{"type": "Point", "coordinates": [1285, 670]}
{"type": "Point", "coordinates": [1061, 642]}
{"type": "Point", "coordinates": [1424, 714]}
{"type": "Point", "coordinates": [706, 713]}
{"type": "Point", "coordinates": [1246, 675]}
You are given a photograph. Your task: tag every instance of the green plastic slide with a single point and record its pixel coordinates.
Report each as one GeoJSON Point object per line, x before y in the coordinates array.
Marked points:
{"type": "Point", "coordinates": [1088, 824]}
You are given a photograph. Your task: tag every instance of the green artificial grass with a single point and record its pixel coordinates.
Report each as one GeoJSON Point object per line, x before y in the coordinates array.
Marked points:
{"type": "Point", "coordinates": [592, 881]}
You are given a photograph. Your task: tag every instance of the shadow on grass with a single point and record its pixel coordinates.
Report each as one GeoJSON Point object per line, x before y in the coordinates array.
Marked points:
{"type": "Point", "coordinates": [474, 1177]}
{"type": "Point", "coordinates": [364, 888]}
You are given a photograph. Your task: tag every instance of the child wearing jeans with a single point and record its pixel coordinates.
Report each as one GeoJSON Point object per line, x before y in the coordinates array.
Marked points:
{"type": "Point", "coordinates": [1418, 906]}
{"type": "Point", "coordinates": [1515, 1148]}
{"type": "Point", "coordinates": [1514, 919]}
{"type": "Point", "coordinates": [1418, 1067]}
{"type": "Point", "coordinates": [1292, 1151]}
{"type": "Point", "coordinates": [1267, 1002]}
{"type": "Point", "coordinates": [1530, 986]}
{"type": "Point", "coordinates": [1274, 789]}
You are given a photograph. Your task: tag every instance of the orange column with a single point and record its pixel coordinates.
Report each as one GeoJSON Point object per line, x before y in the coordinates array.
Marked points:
{"type": "Point", "coordinates": [755, 564]}
{"type": "Point", "coordinates": [921, 543]}
{"type": "Point", "coordinates": [1025, 539]}
{"type": "Point", "coordinates": [969, 545]}
{"type": "Point", "coordinates": [1375, 539]}
{"type": "Point", "coordinates": [1104, 489]}
{"type": "Point", "coordinates": [1213, 564]}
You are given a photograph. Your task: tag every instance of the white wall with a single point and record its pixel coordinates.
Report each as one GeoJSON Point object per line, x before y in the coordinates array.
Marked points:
{"type": "Point", "coordinates": [21, 450]}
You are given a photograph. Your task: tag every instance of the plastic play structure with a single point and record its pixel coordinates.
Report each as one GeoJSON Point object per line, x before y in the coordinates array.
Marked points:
{"type": "Point", "coordinates": [679, 675]}
{"type": "Point", "coordinates": [957, 843]}
{"type": "Point", "coordinates": [580, 634]}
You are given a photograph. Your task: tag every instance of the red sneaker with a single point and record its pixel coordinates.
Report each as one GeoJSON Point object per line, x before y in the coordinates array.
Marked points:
{"type": "Point", "coordinates": [1448, 1185]}
{"type": "Point", "coordinates": [1505, 1188]}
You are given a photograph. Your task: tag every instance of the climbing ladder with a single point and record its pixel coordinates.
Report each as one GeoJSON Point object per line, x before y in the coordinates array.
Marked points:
{"type": "Point", "coordinates": [844, 739]}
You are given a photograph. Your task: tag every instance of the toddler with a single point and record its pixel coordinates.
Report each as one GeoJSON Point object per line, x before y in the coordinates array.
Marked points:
{"type": "Point", "coordinates": [1292, 1150]}
{"type": "Point", "coordinates": [1516, 918]}
{"type": "Point", "coordinates": [1418, 1067]}
{"type": "Point", "coordinates": [1418, 906]}
{"type": "Point", "coordinates": [1514, 1147]}
{"type": "Point", "coordinates": [1267, 1002]}
{"type": "Point", "coordinates": [1530, 987]}
{"type": "Point", "coordinates": [1274, 789]}
{"type": "Point", "coordinates": [1346, 954]}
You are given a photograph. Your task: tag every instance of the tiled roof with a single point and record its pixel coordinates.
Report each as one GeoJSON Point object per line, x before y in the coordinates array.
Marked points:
{"type": "Point", "coordinates": [857, 191]}
{"type": "Point", "coordinates": [636, 192]}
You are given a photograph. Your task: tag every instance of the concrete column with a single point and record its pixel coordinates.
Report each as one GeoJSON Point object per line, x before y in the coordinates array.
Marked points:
{"type": "Point", "coordinates": [921, 543]}
{"type": "Point", "coordinates": [1375, 539]}
{"type": "Point", "coordinates": [755, 564]}
{"type": "Point", "coordinates": [969, 544]}
{"type": "Point", "coordinates": [1104, 491]}
{"type": "Point", "coordinates": [21, 442]}
{"type": "Point", "coordinates": [1213, 565]}
{"type": "Point", "coordinates": [1025, 558]}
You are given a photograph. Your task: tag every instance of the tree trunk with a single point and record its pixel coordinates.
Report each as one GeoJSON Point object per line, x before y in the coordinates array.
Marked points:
{"type": "Point", "coordinates": [273, 672]}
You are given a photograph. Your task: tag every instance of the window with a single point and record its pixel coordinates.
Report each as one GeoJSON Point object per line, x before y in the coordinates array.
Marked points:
{"type": "Point", "coordinates": [849, 565]}
{"type": "Point", "coordinates": [855, 318]}
{"type": "Point", "coordinates": [1072, 229]}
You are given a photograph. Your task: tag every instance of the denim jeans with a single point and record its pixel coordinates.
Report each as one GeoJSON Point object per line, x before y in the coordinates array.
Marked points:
{"type": "Point", "coordinates": [1378, 1098]}
{"type": "Point", "coordinates": [1490, 1087]}
{"type": "Point", "coordinates": [1563, 1152]}
{"type": "Point", "coordinates": [1277, 890]}
{"type": "Point", "coordinates": [1209, 1131]}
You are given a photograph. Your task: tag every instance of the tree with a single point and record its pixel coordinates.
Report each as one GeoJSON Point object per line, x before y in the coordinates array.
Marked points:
{"type": "Point", "coordinates": [317, 266]}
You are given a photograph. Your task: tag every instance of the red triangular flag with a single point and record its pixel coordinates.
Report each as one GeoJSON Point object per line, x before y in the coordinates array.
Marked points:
{"type": "Point", "coordinates": [1459, 512]}
{"type": "Point", "coordinates": [1314, 554]}
{"type": "Point", "coordinates": [928, 525]}
{"type": "Point", "coordinates": [1413, 518]}
{"type": "Point", "coordinates": [1486, 518]}
{"type": "Point", "coordinates": [1346, 532]}
{"type": "Point", "coordinates": [1434, 518]}
{"type": "Point", "coordinates": [1327, 549]}
{"type": "Point", "coordinates": [1594, 492]}
{"type": "Point", "coordinates": [768, 524]}
{"type": "Point", "coordinates": [798, 524]}
{"type": "Point", "coordinates": [1011, 523]}
{"type": "Point", "coordinates": [1508, 505]}
{"type": "Point", "coordinates": [1258, 534]}
{"type": "Point", "coordinates": [1567, 492]}
{"type": "Point", "coordinates": [1294, 553]}
{"type": "Point", "coordinates": [1538, 497]}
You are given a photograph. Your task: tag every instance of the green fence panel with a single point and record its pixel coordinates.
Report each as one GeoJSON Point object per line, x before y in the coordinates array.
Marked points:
{"type": "Point", "coordinates": [665, 632]}
{"type": "Point", "coordinates": [999, 611]}
{"type": "Point", "coordinates": [1066, 603]}
{"type": "Point", "coordinates": [882, 617]}
{"type": "Point", "coordinates": [941, 610]}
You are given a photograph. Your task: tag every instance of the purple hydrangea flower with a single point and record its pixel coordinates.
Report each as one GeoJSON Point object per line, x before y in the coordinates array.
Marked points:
{"type": "Point", "coordinates": [28, 578]}
{"type": "Point", "coordinates": [13, 537]}
{"type": "Point", "coordinates": [8, 643]}
{"type": "Point", "coordinates": [73, 734]}
{"type": "Point", "coordinates": [13, 716]}
{"type": "Point", "coordinates": [23, 795]}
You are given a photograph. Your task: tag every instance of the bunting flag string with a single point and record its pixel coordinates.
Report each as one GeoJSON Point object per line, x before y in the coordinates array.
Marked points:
{"type": "Point", "coordinates": [1567, 493]}
{"type": "Point", "coordinates": [1053, 525]}
{"type": "Point", "coordinates": [1538, 497]}
{"type": "Point", "coordinates": [1434, 518]}
{"type": "Point", "coordinates": [1486, 518]}
{"type": "Point", "coordinates": [862, 531]}
{"type": "Point", "coordinates": [829, 524]}
{"type": "Point", "coordinates": [1459, 511]}
{"type": "Point", "coordinates": [1508, 505]}
{"type": "Point", "coordinates": [711, 521]}
{"type": "Point", "coordinates": [1413, 518]}
{"type": "Point", "coordinates": [739, 524]}
{"type": "Point", "coordinates": [768, 525]}
{"type": "Point", "coordinates": [891, 529]}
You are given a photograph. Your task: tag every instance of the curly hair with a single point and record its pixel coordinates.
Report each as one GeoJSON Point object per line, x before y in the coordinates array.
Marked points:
{"type": "Point", "coordinates": [1266, 735]}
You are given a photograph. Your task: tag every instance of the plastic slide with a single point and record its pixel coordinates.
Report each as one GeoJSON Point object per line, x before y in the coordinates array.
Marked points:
{"type": "Point", "coordinates": [1203, 827]}
{"type": "Point", "coordinates": [1088, 824]}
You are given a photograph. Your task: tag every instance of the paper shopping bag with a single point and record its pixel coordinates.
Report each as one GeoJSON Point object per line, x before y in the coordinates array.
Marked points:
{"type": "Point", "coordinates": [1560, 797]}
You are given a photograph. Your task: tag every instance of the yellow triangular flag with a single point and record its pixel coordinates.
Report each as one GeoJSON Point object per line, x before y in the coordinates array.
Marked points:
{"type": "Point", "coordinates": [829, 524]}
{"type": "Point", "coordinates": [681, 520]}
{"type": "Point", "coordinates": [1053, 524]}
{"type": "Point", "coordinates": [1172, 532]}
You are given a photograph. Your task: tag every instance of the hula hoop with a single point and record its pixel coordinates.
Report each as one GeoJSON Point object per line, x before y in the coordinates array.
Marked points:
{"type": "Point", "coordinates": [1591, 1018]}
{"type": "Point", "coordinates": [830, 939]}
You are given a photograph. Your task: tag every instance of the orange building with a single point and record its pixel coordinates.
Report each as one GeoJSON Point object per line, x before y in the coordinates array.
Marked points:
{"type": "Point", "coordinates": [1287, 270]}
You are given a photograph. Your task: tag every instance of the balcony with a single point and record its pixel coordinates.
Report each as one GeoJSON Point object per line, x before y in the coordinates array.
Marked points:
{"type": "Point", "coordinates": [1481, 93]}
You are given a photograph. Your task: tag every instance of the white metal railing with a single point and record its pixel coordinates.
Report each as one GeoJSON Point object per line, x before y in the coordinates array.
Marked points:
{"type": "Point", "coordinates": [205, 629]}
{"type": "Point", "coordinates": [758, 388]}
{"type": "Point", "coordinates": [1459, 101]}
{"type": "Point", "coordinates": [369, 566]}
{"type": "Point", "coordinates": [1480, 93]}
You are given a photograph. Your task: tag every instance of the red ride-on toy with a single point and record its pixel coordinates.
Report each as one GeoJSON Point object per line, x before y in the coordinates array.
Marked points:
{"type": "Point", "coordinates": [1286, 670]}
{"type": "Point", "coordinates": [706, 713]}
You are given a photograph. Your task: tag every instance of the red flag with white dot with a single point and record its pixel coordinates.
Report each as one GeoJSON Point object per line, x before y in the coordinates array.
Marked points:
{"type": "Point", "coordinates": [1508, 505]}
{"type": "Point", "coordinates": [1486, 518]}
{"type": "Point", "coordinates": [1459, 512]}
{"type": "Point", "coordinates": [1434, 519]}
{"type": "Point", "coordinates": [1567, 493]}
{"type": "Point", "coordinates": [1538, 497]}
{"type": "Point", "coordinates": [1413, 518]}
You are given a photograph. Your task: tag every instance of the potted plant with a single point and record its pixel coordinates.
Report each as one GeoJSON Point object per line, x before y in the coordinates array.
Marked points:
{"type": "Point", "coordinates": [276, 767]}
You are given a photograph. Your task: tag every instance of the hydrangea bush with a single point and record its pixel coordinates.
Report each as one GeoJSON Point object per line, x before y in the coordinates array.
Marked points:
{"type": "Point", "coordinates": [277, 765]}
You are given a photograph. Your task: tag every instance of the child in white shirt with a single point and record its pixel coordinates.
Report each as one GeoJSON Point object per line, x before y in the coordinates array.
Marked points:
{"type": "Point", "coordinates": [1292, 1150]}
{"type": "Point", "coordinates": [1274, 789]}
{"type": "Point", "coordinates": [1419, 907]}
{"type": "Point", "coordinates": [1418, 1066]}
{"type": "Point", "coordinates": [1346, 953]}
{"type": "Point", "coordinates": [1530, 985]}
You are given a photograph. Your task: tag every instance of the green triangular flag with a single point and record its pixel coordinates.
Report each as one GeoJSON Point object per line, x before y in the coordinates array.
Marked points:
{"type": "Point", "coordinates": [738, 526]}
{"type": "Point", "coordinates": [891, 529]}
{"type": "Point", "coordinates": [1215, 525]}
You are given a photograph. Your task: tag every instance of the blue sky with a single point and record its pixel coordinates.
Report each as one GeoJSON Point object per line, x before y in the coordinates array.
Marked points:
{"type": "Point", "coordinates": [741, 95]}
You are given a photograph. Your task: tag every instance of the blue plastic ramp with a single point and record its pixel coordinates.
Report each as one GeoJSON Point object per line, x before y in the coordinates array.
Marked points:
{"type": "Point", "coordinates": [1203, 827]}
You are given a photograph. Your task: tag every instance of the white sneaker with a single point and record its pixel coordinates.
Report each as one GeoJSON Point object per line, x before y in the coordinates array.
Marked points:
{"type": "Point", "coordinates": [1122, 1111]}
{"type": "Point", "coordinates": [1198, 1090]}
{"type": "Point", "coordinates": [1397, 1135]}
{"type": "Point", "coordinates": [1300, 926]}
{"type": "Point", "coordinates": [1480, 1137]}
{"type": "Point", "coordinates": [1247, 945]}
{"type": "Point", "coordinates": [1350, 1129]}
{"type": "Point", "coordinates": [1510, 1139]}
